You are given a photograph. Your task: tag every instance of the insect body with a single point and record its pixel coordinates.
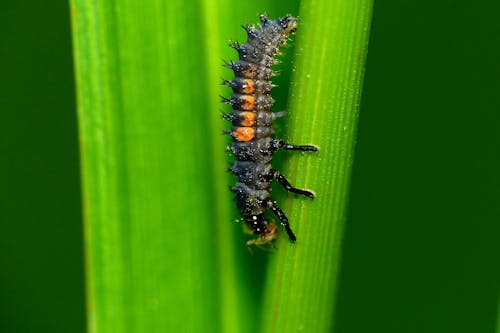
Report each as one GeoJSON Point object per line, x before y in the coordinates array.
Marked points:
{"type": "Point", "coordinates": [253, 135]}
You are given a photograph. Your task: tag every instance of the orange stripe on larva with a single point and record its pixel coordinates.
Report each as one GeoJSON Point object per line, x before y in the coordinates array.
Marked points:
{"type": "Point", "coordinates": [249, 74]}
{"type": "Point", "coordinates": [251, 71]}
{"type": "Point", "coordinates": [248, 118]}
{"type": "Point", "coordinates": [244, 134]}
{"type": "Point", "coordinates": [248, 102]}
{"type": "Point", "coordinates": [249, 86]}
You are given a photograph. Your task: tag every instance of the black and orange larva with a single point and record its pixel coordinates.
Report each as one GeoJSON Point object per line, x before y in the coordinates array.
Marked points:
{"type": "Point", "coordinates": [252, 131]}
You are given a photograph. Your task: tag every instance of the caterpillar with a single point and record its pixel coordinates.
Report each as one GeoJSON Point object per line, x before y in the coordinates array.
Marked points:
{"type": "Point", "coordinates": [252, 128]}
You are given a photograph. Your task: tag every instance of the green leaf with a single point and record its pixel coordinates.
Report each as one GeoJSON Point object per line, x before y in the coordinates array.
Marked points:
{"type": "Point", "coordinates": [331, 50]}
{"type": "Point", "coordinates": [152, 211]}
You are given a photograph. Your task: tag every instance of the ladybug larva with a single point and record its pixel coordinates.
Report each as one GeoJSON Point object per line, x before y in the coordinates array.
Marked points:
{"type": "Point", "coordinates": [252, 128]}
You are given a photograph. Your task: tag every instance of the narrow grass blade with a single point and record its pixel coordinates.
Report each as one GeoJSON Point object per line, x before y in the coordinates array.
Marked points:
{"type": "Point", "coordinates": [146, 161]}
{"type": "Point", "coordinates": [331, 49]}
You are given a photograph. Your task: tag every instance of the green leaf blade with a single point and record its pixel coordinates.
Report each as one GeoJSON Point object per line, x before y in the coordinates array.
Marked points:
{"type": "Point", "coordinates": [151, 249]}
{"type": "Point", "coordinates": [331, 48]}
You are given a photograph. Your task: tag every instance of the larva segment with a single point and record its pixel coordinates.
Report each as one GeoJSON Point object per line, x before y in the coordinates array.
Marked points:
{"type": "Point", "coordinates": [244, 134]}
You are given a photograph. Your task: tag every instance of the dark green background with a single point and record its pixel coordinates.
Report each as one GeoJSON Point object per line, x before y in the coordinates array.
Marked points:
{"type": "Point", "coordinates": [422, 237]}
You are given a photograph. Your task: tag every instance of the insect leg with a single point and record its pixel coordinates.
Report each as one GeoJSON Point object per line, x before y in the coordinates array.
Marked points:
{"type": "Point", "coordinates": [283, 219]}
{"type": "Point", "coordinates": [281, 144]}
{"type": "Point", "coordinates": [286, 184]}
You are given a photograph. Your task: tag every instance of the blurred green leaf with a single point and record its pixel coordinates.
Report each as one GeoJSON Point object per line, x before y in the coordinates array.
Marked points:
{"type": "Point", "coordinates": [151, 211]}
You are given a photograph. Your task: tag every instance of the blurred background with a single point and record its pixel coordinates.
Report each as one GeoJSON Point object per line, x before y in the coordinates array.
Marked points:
{"type": "Point", "coordinates": [422, 234]}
